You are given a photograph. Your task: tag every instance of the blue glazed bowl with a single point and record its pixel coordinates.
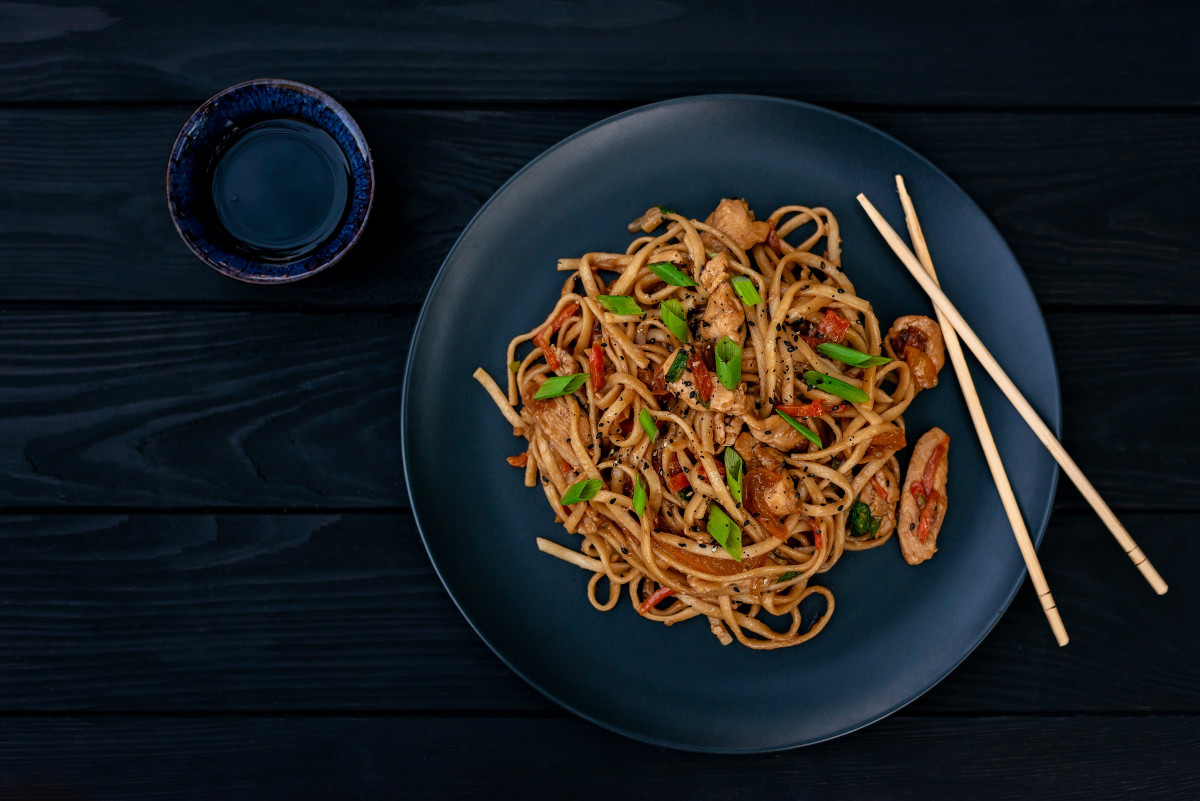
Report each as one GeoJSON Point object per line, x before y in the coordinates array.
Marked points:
{"type": "Point", "coordinates": [204, 136]}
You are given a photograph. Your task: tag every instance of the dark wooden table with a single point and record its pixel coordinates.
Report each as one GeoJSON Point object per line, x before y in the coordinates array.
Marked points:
{"type": "Point", "coordinates": [211, 586]}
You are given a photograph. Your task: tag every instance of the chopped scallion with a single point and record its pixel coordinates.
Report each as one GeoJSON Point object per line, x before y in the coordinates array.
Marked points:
{"type": "Point", "coordinates": [639, 496]}
{"type": "Point", "coordinates": [647, 421]}
{"type": "Point", "coordinates": [734, 473]}
{"type": "Point", "coordinates": [860, 518]}
{"type": "Point", "coordinates": [725, 531]}
{"type": "Point", "coordinates": [560, 385]}
{"type": "Point", "coordinates": [746, 290]}
{"type": "Point", "coordinates": [581, 491]}
{"type": "Point", "coordinates": [670, 273]}
{"type": "Point", "coordinates": [788, 576]}
{"type": "Point", "coordinates": [808, 433]}
{"type": "Point", "coordinates": [514, 366]}
{"type": "Point", "coordinates": [677, 366]}
{"type": "Point", "coordinates": [835, 386]}
{"type": "Point", "coordinates": [674, 318]}
{"type": "Point", "coordinates": [664, 210]}
{"type": "Point", "coordinates": [850, 356]}
{"type": "Point", "coordinates": [729, 363]}
{"type": "Point", "coordinates": [620, 304]}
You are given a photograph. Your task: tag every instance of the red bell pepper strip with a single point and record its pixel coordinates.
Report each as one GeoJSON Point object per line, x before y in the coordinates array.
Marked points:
{"type": "Point", "coordinates": [773, 239]}
{"type": "Point", "coordinates": [704, 377]}
{"type": "Point", "coordinates": [833, 327]}
{"type": "Point", "coordinates": [520, 460]}
{"type": "Point", "coordinates": [542, 338]}
{"type": "Point", "coordinates": [653, 600]}
{"type": "Point", "coordinates": [798, 410]}
{"type": "Point", "coordinates": [596, 359]}
{"type": "Point", "coordinates": [677, 482]}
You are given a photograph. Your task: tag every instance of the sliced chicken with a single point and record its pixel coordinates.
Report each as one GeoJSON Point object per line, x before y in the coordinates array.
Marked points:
{"type": "Point", "coordinates": [917, 341]}
{"type": "Point", "coordinates": [755, 454]}
{"type": "Point", "coordinates": [689, 389]}
{"type": "Point", "coordinates": [723, 316]}
{"type": "Point", "coordinates": [881, 494]}
{"type": "Point", "coordinates": [733, 218]}
{"type": "Point", "coordinates": [553, 417]}
{"type": "Point", "coordinates": [715, 272]}
{"type": "Point", "coordinates": [923, 500]}
{"type": "Point", "coordinates": [776, 432]}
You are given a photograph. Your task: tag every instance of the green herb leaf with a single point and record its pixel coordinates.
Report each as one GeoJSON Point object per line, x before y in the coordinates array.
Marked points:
{"type": "Point", "coordinates": [725, 531]}
{"type": "Point", "coordinates": [647, 421]}
{"type": "Point", "coordinates": [729, 363]}
{"type": "Point", "coordinates": [860, 518]}
{"type": "Point", "coordinates": [670, 273]}
{"type": "Point", "coordinates": [850, 356]}
{"type": "Point", "coordinates": [674, 318]}
{"type": "Point", "coordinates": [735, 471]}
{"type": "Point", "coordinates": [620, 304]}
{"type": "Point", "coordinates": [808, 433]}
{"type": "Point", "coordinates": [876, 522]}
{"type": "Point", "coordinates": [560, 385]}
{"type": "Point", "coordinates": [639, 496]}
{"type": "Point", "coordinates": [788, 576]}
{"type": "Point", "coordinates": [746, 290]}
{"type": "Point", "coordinates": [677, 366]}
{"type": "Point", "coordinates": [835, 387]}
{"type": "Point", "coordinates": [514, 366]}
{"type": "Point", "coordinates": [664, 210]}
{"type": "Point", "coordinates": [581, 491]}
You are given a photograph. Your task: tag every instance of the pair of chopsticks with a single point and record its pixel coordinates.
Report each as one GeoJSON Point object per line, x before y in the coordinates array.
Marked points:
{"type": "Point", "coordinates": [951, 322]}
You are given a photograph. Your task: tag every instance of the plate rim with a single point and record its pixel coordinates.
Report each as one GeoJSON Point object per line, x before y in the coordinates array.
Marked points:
{"type": "Point", "coordinates": [1054, 422]}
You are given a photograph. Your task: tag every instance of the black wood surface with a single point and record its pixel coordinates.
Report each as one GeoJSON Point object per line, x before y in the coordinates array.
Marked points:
{"type": "Point", "coordinates": [1111, 195]}
{"type": "Point", "coordinates": [210, 583]}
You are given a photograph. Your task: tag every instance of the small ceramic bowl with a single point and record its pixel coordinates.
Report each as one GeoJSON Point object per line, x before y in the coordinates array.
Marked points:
{"type": "Point", "coordinates": [205, 136]}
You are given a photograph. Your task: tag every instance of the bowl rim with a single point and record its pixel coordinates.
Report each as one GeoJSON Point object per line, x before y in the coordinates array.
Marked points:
{"type": "Point", "coordinates": [346, 119]}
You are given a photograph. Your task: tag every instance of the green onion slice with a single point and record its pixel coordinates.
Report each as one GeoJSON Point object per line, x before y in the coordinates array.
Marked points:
{"type": "Point", "coordinates": [620, 304]}
{"type": "Point", "coordinates": [729, 363]}
{"type": "Point", "coordinates": [560, 385]}
{"type": "Point", "coordinates": [808, 433]}
{"type": "Point", "coordinates": [581, 491]}
{"type": "Point", "coordinates": [639, 496]}
{"type": "Point", "coordinates": [647, 421]}
{"type": "Point", "coordinates": [670, 273]}
{"type": "Point", "coordinates": [734, 473]}
{"type": "Point", "coordinates": [664, 210]}
{"type": "Point", "coordinates": [725, 531]}
{"type": "Point", "coordinates": [746, 290]}
{"type": "Point", "coordinates": [677, 366]}
{"type": "Point", "coordinates": [674, 318]}
{"type": "Point", "coordinates": [860, 518]}
{"type": "Point", "coordinates": [514, 366]}
{"type": "Point", "coordinates": [850, 356]}
{"type": "Point", "coordinates": [834, 386]}
{"type": "Point", "coordinates": [788, 576]}
{"type": "Point", "coordinates": [873, 529]}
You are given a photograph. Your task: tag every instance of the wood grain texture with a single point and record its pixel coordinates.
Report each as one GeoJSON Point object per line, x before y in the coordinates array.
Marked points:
{"type": "Point", "coordinates": [1096, 207]}
{"type": "Point", "coordinates": [211, 409]}
{"type": "Point", "coordinates": [343, 612]}
{"type": "Point", "coordinates": [1023, 53]}
{"type": "Point", "coordinates": [176, 408]}
{"type": "Point", "coordinates": [237, 758]}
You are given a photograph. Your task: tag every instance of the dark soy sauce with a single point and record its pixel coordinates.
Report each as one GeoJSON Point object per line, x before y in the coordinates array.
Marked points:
{"type": "Point", "coordinates": [280, 188]}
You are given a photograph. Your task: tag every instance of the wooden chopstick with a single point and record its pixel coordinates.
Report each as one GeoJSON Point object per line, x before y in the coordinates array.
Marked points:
{"type": "Point", "coordinates": [1015, 397]}
{"type": "Point", "coordinates": [984, 431]}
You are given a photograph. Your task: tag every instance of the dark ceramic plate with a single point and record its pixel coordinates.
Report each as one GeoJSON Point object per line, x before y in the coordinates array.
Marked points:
{"type": "Point", "coordinates": [897, 630]}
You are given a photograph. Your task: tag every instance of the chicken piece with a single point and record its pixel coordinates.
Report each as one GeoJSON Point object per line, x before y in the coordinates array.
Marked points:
{"type": "Point", "coordinates": [566, 362]}
{"type": "Point", "coordinates": [881, 494]}
{"type": "Point", "coordinates": [679, 258]}
{"type": "Point", "coordinates": [553, 417]}
{"type": "Point", "coordinates": [715, 273]}
{"type": "Point", "coordinates": [726, 429]}
{"type": "Point", "coordinates": [917, 341]}
{"type": "Point", "coordinates": [687, 389]}
{"type": "Point", "coordinates": [923, 500]}
{"type": "Point", "coordinates": [733, 218]}
{"type": "Point", "coordinates": [651, 219]}
{"type": "Point", "coordinates": [723, 316]}
{"type": "Point", "coordinates": [755, 454]}
{"type": "Point", "coordinates": [776, 432]}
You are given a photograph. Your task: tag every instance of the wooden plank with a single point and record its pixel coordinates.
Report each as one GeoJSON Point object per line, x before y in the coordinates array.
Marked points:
{"type": "Point", "coordinates": [343, 612]}
{"type": "Point", "coordinates": [216, 409]}
{"type": "Point", "coordinates": [192, 409]}
{"type": "Point", "coordinates": [1024, 54]}
{"type": "Point", "coordinates": [431, 758]}
{"type": "Point", "coordinates": [1091, 204]}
